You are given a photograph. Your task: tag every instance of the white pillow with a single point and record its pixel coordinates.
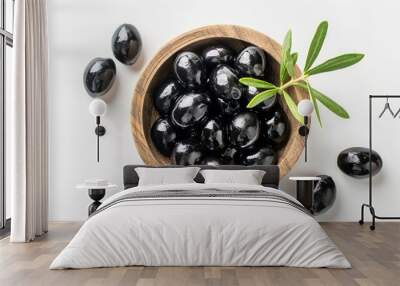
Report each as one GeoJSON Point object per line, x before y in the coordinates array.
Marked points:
{"type": "Point", "coordinates": [166, 176]}
{"type": "Point", "coordinates": [248, 177]}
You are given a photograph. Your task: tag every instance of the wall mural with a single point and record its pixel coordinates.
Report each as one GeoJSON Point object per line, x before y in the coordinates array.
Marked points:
{"type": "Point", "coordinates": [126, 44]}
{"type": "Point", "coordinates": [190, 108]}
{"type": "Point", "coordinates": [355, 162]}
{"type": "Point", "coordinates": [99, 76]}
{"type": "Point", "coordinates": [100, 73]}
{"type": "Point", "coordinates": [228, 88]}
{"type": "Point", "coordinates": [204, 112]}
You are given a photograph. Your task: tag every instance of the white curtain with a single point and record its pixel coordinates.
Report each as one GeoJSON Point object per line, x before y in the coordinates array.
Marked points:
{"type": "Point", "coordinates": [27, 121]}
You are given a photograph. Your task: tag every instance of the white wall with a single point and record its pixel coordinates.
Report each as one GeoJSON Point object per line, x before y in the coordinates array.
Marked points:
{"type": "Point", "coordinates": [81, 30]}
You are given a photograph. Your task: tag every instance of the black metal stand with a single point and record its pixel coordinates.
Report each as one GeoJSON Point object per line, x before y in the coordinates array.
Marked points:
{"type": "Point", "coordinates": [96, 195]}
{"type": "Point", "coordinates": [303, 131]}
{"type": "Point", "coordinates": [370, 205]}
{"type": "Point", "coordinates": [99, 131]}
{"type": "Point", "coordinates": [304, 193]}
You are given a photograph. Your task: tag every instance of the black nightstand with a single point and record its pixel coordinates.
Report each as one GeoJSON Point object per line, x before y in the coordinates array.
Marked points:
{"type": "Point", "coordinates": [304, 190]}
{"type": "Point", "coordinates": [96, 193]}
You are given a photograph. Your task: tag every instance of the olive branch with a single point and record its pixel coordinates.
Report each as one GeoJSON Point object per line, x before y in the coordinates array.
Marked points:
{"type": "Point", "coordinates": [287, 77]}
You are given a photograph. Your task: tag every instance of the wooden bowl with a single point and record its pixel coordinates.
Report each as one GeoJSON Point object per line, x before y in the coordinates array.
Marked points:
{"type": "Point", "coordinates": [160, 68]}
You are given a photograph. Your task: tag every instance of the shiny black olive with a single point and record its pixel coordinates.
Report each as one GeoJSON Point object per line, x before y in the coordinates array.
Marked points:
{"type": "Point", "coordinates": [187, 152]}
{"type": "Point", "coordinates": [324, 195]}
{"type": "Point", "coordinates": [212, 161]}
{"type": "Point", "coordinates": [244, 129]}
{"type": "Point", "coordinates": [165, 96]}
{"type": "Point", "coordinates": [355, 161]}
{"type": "Point", "coordinates": [163, 136]}
{"type": "Point", "coordinates": [99, 76]}
{"type": "Point", "coordinates": [213, 135]}
{"type": "Point", "coordinates": [267, 105]}
{"type": "Point", "coordinates": [126, 44]}
{"type": "Point", "coordinates": [229, 156]}
{"type": "Point", "coordinates": [251, 61]}
{"type": "Point", "coordinates": [188, 133]}
{"type": "Point", "coordinates": [191, 109]}
{"type": "Point", "coordinates": [257, 156]}
{"type": "Point", "coordinates": [190, 70]}
{"type": "Point", "coordinates": [216, 55]}
{"type": "Point", "coordinates": [225, 83]}
{"type": "Point", "coordinates": [227, 107]}
{"type": "Point", "coordinates": [251, 92]}
{"type": "Point", "coordinates": [277, 129]}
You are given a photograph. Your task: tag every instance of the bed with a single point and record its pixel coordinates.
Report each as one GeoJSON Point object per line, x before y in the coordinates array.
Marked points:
{"type": "Point", "coordinates": [199, 224]}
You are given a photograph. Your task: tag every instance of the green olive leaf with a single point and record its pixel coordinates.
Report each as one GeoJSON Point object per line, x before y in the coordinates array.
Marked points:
{"type": "Point", "coordinates": [290, 64]}
{"type": "Point", "coordinates": [316, 44]}
{"type": "Point", "coordinates": [257, 99]}
{"type": "Point", "coordinates": [294, 57]}
{"type": "Point", "coordinates": [287, 77]}
{"type": "Point", "coordinates": [257, 83]}
{"type": "Point", "coordinates": [314, 102]}
{"type": "Point", "coordinates": [285, 55]}
{"type": "Point", "coordinates": [331, 104]}
{"type": "Point", "coordinates": [284, 75]}
{"type": "Point", "coordinates": [336, 63]}
{"type": "Point", "coordinates": [292, 107]}
{"type": "Point", "coordinates": [327, 102]}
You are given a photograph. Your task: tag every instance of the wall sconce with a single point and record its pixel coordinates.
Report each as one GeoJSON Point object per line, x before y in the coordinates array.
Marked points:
{"type": "Point", "coordinates": [305, 108]}
{"type": "Point", "coordinates": [98, 108]}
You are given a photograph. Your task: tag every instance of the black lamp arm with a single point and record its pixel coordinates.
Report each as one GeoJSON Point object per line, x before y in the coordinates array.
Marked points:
{"type": "Point", "coordinates": [303, 131]}
{"type": "Point", "coordinates": [99, 131]}
{"type": "Point", "coordinates": [305, 120]}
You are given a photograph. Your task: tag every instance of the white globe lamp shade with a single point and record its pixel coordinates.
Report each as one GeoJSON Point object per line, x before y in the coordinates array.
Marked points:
{"type": "Point", "coordinates": [97, 107]}
{"type": "Point", "coordinates": [305, 107]}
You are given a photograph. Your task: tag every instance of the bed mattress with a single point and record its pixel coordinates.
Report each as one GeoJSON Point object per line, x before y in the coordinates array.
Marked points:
{"type": "Point", "coordinates": [201, 225]}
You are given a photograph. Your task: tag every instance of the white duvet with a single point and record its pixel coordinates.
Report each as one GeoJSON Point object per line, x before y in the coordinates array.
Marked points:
{"type": "Point", "coordinates": [200, 231]}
